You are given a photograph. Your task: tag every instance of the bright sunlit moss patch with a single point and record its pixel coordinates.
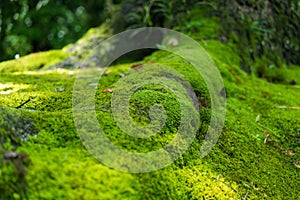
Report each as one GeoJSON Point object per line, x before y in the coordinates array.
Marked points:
{"type": "Point", "coordinates": [9, 88]}
{"type": "Point", "coordinates": [192, 182]}
{"type": "Point", "coordinates": [33, 61]}
{"type": "Point", "coordinates": [71, 173]}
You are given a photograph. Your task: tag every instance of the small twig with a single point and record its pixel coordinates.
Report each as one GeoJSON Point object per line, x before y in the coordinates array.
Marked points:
{"type": "Point", "coordinates": [266, 138]}
{"type": "Point", "coordinates": [245, 197]}
{"type": "Point", "coordinates": [257, 118]}
{"type": "Point", "coordinates": [289, 107]}
{"type": "Point", "coordinates": [262, 126]}
{"type": "Point", "coordinates": [21, 105]}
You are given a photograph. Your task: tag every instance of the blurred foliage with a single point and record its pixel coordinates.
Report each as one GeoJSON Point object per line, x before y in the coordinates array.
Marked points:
{"type": "Point", "coordinates": [36, 25]}
{"type": "Point", "coordinates": [161, 13]}
{"type": "Point", "coordinates": [261, 30]}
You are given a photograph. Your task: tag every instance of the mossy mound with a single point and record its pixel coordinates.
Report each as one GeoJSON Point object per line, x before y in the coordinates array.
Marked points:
{"type": "Point", "coordinates": [256, 157]}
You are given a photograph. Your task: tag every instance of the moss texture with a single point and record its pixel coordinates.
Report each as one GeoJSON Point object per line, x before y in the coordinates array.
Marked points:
{"type": "Point", "coordinates": [256, 157]}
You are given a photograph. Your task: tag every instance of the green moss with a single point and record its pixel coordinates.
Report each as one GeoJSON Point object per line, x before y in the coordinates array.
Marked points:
{"type": "Point", "coordinates": [75, 175]}
{"type": "Point", "coordinates": [253, 158]}
{"type": "Point", "coordinates": [193, 182]}
{"type": "Point", "coordinates": [33, 61]}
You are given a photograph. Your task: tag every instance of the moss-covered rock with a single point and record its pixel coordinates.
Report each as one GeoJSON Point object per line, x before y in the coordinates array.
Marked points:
{"type": "Point", "coordinates": [256, 157]}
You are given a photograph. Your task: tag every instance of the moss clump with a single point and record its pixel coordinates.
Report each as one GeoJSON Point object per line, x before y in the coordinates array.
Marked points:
{"type": "Point", "coordinates": [140, 104]}
{"type": "Point", "coordinates": [70, 173]}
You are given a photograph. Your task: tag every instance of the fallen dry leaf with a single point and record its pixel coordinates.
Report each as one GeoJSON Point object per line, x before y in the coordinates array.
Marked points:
{"type": "Point", "coordinates": [289, 153]}
{"type": "Point", "coordinates": [137, 66]}
{"type": "Point", "coordinates": [107, 91]}
{"type": "Point", "coordinates": [296, 163]}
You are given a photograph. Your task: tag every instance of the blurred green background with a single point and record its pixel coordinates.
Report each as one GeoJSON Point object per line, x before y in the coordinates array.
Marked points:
{"type": "Point", "coordinates": [261, 29]}
{"type": "Point", "coordinates": [38, 25]}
